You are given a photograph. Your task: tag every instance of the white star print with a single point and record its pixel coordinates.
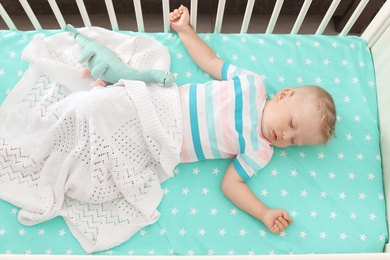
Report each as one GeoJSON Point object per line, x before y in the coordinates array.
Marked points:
{"type": "Point", "coordinates": [336, 80]}
{"type": "Point", "coordinates": [215, 171]}
{"type": "Point", "coordinates": [202, 232]}
{"type": "Point", "coordinates": [372, 216]}
{"type": "Point", "coordinates": [343, 236]}
{"type": "Point", "coordinates": [271, 59]}
{"type": "Point", "coordinates": [284, 193]}
{"type": "Point", "coordinates": [182, 232]}
{"type": "Point", "coordinates": [185, 191]}
{"type": "Point", "coordinates": [1, 72]}
{"type": "Point", "coordinates": [2, 232]}
{"type": "Point", "coordinates": [294, 173]}
{"type": "Point", "coordinates": [302, 234]}
{"type": "Point", "coordinates": [142, 232]}
{"type": "Point", "coordinates": [313, 214]}
{"type": "Point", "coordinates": [264, 192]}
{"type": "Point", "coordinates": [179, 56]}
{"type": "Point", "coordinates": [242, 232]}
{"type": "Point", "coordinates": [213, 211]}
{"type": "Point", "coordinates": [233, 211]}
{"type": "Point", "coordinates": [205, 191]}
{"type": "Point", "coordinates": [61, 232]}
{"type": "Point", "coordinates": [323, 235]}
{"type": "Point", "coordinates": [193, 211]}
{"type": "Point", "coordinates": [222, 232]}
{"type": "Point", "coordinates": [22, 232]}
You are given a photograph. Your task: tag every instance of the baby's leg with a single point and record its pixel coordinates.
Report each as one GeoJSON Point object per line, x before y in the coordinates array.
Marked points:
{"type": "Point", "coordinates": [99, 83]}
{"type": "Point", "coordinates": [85, 73]}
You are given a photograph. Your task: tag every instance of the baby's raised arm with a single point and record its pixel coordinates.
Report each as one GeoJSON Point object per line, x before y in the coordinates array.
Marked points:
{"type": "Point", "coordinates": [199, 51]}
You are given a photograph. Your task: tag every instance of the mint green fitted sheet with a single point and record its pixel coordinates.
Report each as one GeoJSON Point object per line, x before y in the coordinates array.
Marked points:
{"type": "Point", "coordinates": [334, 193]}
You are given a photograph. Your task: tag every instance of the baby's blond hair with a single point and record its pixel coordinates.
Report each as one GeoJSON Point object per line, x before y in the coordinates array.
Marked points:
{"type": "Point", "coordinates": [326, 109]}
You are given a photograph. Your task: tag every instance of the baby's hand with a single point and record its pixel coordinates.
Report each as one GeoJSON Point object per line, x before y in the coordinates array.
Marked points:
{"type": "Point", "coordinates": [179, 18]}
{"type": "Point", "coordinates": [276, 220]}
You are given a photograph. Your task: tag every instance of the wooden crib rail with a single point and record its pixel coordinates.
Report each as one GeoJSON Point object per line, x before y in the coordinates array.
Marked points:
{"type": "Point", "coordinates": [166, 8]}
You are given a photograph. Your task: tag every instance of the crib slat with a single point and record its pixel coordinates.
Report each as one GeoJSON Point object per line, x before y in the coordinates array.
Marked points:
{"type": "Point", "coordinates": [194, 13]}
{"type": "Point", "coordinates": [378, 25]}
{"type": "Point", "coordinates": [274, 16]}
{"type": "Point", "coordinates": [328, 16]}
{"type": "Point", "coordinates": [219, 18]}
{"type": "Point", "coordinates": [57, 13]}
{"type": "Point", "coordinates": [138, 15]}
{"type": "Point", "coordinates": [355, 15]}
{"type": "Point", "coordinates": [165, 6]}
{"type": "Point", "coordinates": [83, 12]}
{"type": "Point", "coordinates": [27, 8]}
{"type": "Point", "coordinates": [111, 15]}
{"type": "Point", "coordinates": [301, 16]}
{"type": "Point", "coordinates": [247, 16]}
{"type": "Point", "coordinates": [6, 18]}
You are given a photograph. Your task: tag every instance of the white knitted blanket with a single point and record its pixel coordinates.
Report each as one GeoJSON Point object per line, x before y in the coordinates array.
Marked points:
{"type": "Point", "coordinates": [93, 156]}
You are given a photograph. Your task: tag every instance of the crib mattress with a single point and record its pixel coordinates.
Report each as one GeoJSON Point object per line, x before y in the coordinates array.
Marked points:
{"type": "Point", "coordinates": [334, 193]}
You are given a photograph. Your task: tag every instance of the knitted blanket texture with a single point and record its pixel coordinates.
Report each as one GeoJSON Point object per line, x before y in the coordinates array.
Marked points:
{"type": "Point", "coordinates": [96, 156]}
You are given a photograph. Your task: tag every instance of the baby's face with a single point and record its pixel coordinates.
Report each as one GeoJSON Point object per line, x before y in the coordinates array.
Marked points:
{"type": "Point", "coordinates": [289, 121]}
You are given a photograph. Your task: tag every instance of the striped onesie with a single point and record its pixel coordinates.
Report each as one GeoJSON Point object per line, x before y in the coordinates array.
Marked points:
{"type": "Point", "coordinates": [222, 119]}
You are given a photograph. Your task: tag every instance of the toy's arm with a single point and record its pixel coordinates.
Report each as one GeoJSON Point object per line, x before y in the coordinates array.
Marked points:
{"type": "Point", "coordinates": [98, 70]}
{"type": "Point", "coordinates": [86, 55]}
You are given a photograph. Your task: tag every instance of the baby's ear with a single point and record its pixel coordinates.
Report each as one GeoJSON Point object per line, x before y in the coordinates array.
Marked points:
{"type": "Point", "coordinates": [287, 92]}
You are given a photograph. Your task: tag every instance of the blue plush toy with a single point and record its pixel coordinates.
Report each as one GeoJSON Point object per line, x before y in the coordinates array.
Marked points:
{"type": "Point", "coordinates": [106, 67]}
